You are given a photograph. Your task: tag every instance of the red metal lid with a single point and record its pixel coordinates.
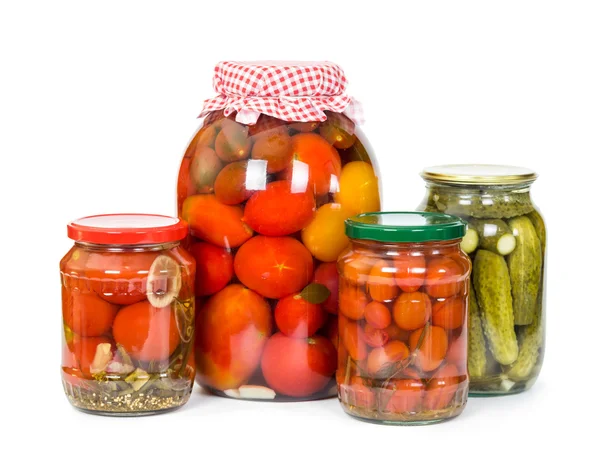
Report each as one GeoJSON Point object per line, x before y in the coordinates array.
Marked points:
{"type": "Point", "coordinates": [127, 229]}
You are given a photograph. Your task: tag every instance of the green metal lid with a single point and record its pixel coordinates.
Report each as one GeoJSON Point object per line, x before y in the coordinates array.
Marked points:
{"type": "Point", "coordinates": [405, 227]}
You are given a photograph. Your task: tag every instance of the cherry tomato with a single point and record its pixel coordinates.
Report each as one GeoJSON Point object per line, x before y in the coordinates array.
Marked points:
{"type": "Point", "coordinates": [450, 313]}
{"type": "Point", "coordinates": [87, 314]}
{"type": "Point", "coordinates": [353, 339]}
{"type": "Point", "coordinates": [433, 347]}
{"type": "Point", "coordinates": [352, 301]}
{"type": "Point", "coordinates": [375, 337]}
{"type": "Point", "coordinates": [273, 266]}
{"type": "Point", "coordinates": [378, 315]}
{"type": "Point", "coordinates": [231, 185]}
{"type": "Point", "coordinates": [442, 388]}
{"type": "Point", "coordinates": [396, 333]}
{"type": "Point", "coordinates": [275, 148]}
{"type": "Point", "coordinates": [204, 167]}
{"type": "Point", "coordinates": [204, 137]}
{"type": "Point", "coordinates": [326, 274]}
{"type": "Point", "coordinates": [324, 236]}
{"type": "Point", "coordinates": [444, 278]}
{"type": "Point", "coordinates": [384, 357]}
{"type": "Point", "coordinates": [412, 310]}
{"type": "Point", "coordinates": [298, 367]}
{"type": "Point", "coordinates": [359, 189]}
{"type": "Point", "coordinates": [381, 285]}
{"type": "Point", "coordinates": [404, 396]}
{"type": "Point", "coordinates": [298, 318]}
{"type": "Point", "coordinates": [457, 352]}
{"type": "Point", "coordinates": [214, 267]}
{"type": "Point", "coordinates": [147, 333]}
{"type": "Point", "coordinates": [85, 349]}
{"type": "Point", "coordinates": [356, 268]}
{"type": "Point", "coordinates": [410, 271]}
{"type": "Point", "coordinates": [233, 142]}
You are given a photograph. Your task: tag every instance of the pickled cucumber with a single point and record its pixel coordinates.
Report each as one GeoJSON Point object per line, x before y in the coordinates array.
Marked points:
{"type": "Point", "coordinates": [477, 350]}
{"type": "Point", "coordinates": [492, 285]}
{"type": "Point", "coordinates": [540, 228]}
{"type": "Point", "coordinates": [470, 241]}
{"type": "Point", "coordinates": [483, 205]}
{"type": "Point", "coordinates": [525, 268]}
{"type": "Point", "coordinates": [494, 235]}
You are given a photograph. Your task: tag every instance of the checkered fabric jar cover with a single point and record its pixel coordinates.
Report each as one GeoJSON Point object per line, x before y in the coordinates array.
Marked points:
{"type": "Point", "coordinates": [294, 91]}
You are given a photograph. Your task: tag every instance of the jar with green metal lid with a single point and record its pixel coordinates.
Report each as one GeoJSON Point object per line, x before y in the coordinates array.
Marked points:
{"type": "Point", "coordinates": [506, 240]}
{"type": "Point", "coordinates": [403, 302]}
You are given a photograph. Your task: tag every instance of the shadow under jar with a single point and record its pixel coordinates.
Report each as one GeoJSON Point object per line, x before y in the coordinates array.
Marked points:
{"type": "Point", "coordinates": [266, 204]}
{"type": "Point", "coordinates": [128, 315]}
{"type": "Point", "coordinates": [506, 239]}
{"type": "Point", "coordinates": [403, 318]}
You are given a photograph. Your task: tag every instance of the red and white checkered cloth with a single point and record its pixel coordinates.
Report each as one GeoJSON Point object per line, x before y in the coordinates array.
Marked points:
{"type": "Point", "coordinates": [294, 91]}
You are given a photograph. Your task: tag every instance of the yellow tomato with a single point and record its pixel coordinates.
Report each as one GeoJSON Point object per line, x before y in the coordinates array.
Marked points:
{"type": "Point", "coordinates": [325, 236]}
{"type": "Point", "coordinates": [359, 189]}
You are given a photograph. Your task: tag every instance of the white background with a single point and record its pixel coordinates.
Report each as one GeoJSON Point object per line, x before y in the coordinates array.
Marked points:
{"type": "Point", "coordinates": [97, 103]}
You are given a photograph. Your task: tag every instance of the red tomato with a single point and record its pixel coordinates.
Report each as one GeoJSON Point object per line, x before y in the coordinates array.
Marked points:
{"type": "Point", "coordinates": [378, 315]}
{"type": "Point", "coordinates": [147, 333]}
{"type": "Point", "coordinates": [231, 331]}
{"type": "Point", "coordinates": [298, 367]}
{"type": "Point", "coordinates": [381, 285]}
{"type": "Point", "coordinates": [327, 275]}
{"type": "Point", "coordinates": [457, 352]}
{"type": "Point", "coordinates": [410, 271]}
{"type": "Point", "coordinates": [434, 346]}
{"type": "Point", "coordinates": [386, 356]}
{"type": "Point", "coordinates": [352, 301]}
{"type": "Point", "coordinates": [375, 337]}
{"type": "Point", "coordinates": [356, 268]}
{"type": "Point", "coordinates": [84, 349]}
{"type": "Point", "coordinates": [231, 183]}
{"type": "Point", "coordinates": [298, 318]}
{"type": "Point", "coordinates": [444, 278]}
{"type": "Point", "coordinates": [87, 314]}
{"type": "Point", "coordinates": [274, 266]}
{"type": "Point", "coordinates": [275, 148]}
{"type": "Point", "coordinates": [404, 396]}
{"type": "Point", "coordinates": [214, 267]}
{"type": "Point", "coordinates": [450, 313]}
{"type": "Point", "coordinates": [279, 210]}
{"type": "Point", "coordinates": [323, 161]}
{"type": "Point", "coordinates": [353, 339]}
{"type": "Point", "coordinates": [412, 310]}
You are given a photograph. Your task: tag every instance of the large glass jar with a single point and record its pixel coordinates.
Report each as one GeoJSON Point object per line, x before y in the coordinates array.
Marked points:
{"type": "Point", "coordinates": [506, 240]}
{"type": "Point", "coordinates": [128, 315]}
{"type": "Point", "coordinates": [266, 204]}
{"type": "Point", "coordinates": [403, 318]}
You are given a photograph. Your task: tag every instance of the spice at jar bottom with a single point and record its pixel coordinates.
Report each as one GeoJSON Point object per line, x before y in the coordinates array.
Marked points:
{"type": "Point", "coordinates": [403, 302]}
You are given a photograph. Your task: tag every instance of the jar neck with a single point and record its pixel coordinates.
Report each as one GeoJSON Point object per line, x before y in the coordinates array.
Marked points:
{"type": "Point", "coordinates": [371, 245]}
{"type": "Point", "coordinates": [126, 248]}
{"type": "Point", "coordinates": [520, 189]}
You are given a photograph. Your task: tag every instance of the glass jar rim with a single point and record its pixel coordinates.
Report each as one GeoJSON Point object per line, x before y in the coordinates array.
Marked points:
{"type": "Point", "coordinates": [478, 174]}
{"type": "Point", "coordinates": [406, 226]}
{"type": "Point", "coordinates": [127, 229]}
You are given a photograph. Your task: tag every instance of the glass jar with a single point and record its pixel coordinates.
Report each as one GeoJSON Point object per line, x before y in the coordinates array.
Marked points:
{"type": "Point", "coordinates": [506, 239]}
{"type": "Point", "coordinates": [128, 315]}
{"type": "Point", "coordinates": [402, 318]}
{"type": "Point", "coordinates": [266, 204]}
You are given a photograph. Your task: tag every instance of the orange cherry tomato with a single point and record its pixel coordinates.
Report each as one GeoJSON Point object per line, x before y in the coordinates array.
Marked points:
{"type": "Point", "coordinates": [279, 210]}
{"type": "Point", "coordinates": [353, 339]}
{"type": "Point", "coordinates": [233, 142]}
{"type": "Point", "coordinates": [457, 352]}
{"type": "Point", "coordinates": [147, 333]}
{"type": "Point", "coordinates": [298, 318]}
{"type": "Point", "coordinates": [381, 285]}
{"type": "Point", "coordinates": [119, 277]}
{"type": "Point", "coordinates": [326, 274]}
{"type": "Point", "coordinates": [352, 301]}
{"type": "Point", "coordinates": [356, 268]}
{"type": "Point", "coordinates": [450, 313]}
{"type": "Point", "coordinates": [232, 328]}
{"type": "Point", "coordinates": [87, 314]}
{"type": "Point", "coordinates": [412, 310]}
{"type": "Point", "coordinates": [375, 337]}
{"type": "Point", "coordinates": [215, 222]}
{"type": "Point", "coordinates": [323, 165]}
{"type": "Point", "coordinates": [404, 396]}
{"type": "Point", "coordinates": [410, 271]}
{"type": "Point", "coordinates": [396, 333]}
{"type": "Point", "coordinates": [382, 357]}
{"type": "Point", "coordinates": [275, 148]}
{"type": "Point", "coordinates": [298, 367]}
{"type": "Point", "coordinates": [433, 348]}
{"type": "Point", "coordinates": [84, 349]}
{"type": "Point", "coordinates": [274, 267]}
{"type": "Point", "coordinates": [442, 388]}
{"type": "Point", "coordinates": [444, 278]}
{"type": "Point", "coordinates": [231, 185]}
{"type": "Point", "coordinates": [214, 267]}
{"type": "Point", "coordinates": [378, 315]}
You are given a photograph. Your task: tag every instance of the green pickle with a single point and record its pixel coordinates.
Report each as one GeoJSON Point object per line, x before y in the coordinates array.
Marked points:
{"type": "Point", "coordinates": [492, 285]}
{"type": "Point", "coordinates": [506, 241]}
{"type": "Point", "coordinates": [525, 268]}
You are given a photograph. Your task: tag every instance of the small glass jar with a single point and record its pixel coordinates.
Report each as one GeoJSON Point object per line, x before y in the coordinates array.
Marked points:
{"type": "Point", "coordinates": [128, 315]}
{"type": "Point", "coordinates": [506, 239]}
{"type": "Point", "coordinates": [403, 318]}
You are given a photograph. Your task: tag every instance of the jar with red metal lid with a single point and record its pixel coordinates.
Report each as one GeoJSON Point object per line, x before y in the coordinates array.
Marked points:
{"type": "Point", "coordinates": [128, 314]}
{"type": "Point", "coordinates": [403, 302]}
{"type": "Point", "coordinates": [265, 185]}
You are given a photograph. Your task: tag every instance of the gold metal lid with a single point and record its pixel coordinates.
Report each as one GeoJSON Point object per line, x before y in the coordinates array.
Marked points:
{"type": "Point", "coordinates": [478, 174]}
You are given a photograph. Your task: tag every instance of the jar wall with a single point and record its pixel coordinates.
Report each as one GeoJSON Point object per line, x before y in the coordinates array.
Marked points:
{"type": "Point", "coordinates": [403, 331]}
{"type": "Point", "coordinates": [266, 205]}
{"type": "Point", "coordinates": [506, 241]}
{"type": "Point", "coordinates": [128, 326]}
